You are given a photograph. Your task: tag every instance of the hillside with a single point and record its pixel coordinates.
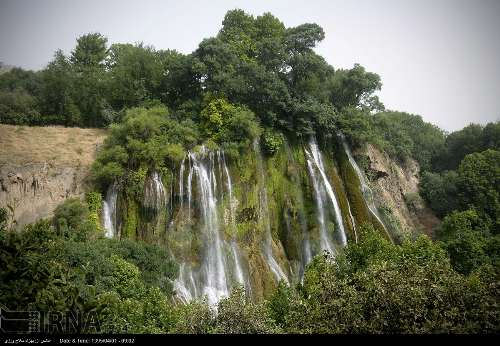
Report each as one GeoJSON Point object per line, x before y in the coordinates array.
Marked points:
{"type": "Point", "coordinates": [42, 166]}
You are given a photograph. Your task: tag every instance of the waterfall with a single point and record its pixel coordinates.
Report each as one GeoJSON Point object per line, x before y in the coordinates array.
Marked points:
{"type": "Point", "coordinates": [353, 222]}
{"type": "Point", "coordinates": [189, 187]}
{"type": "Point", "coordinates": [264, 216]}
{"type": "Point", "coordinates": [109, 210]}
{"type": "Point", "coordinates": [215, 285]}
{"type": "Point", "coordinates": [181, 182]}
{"type": "Point", "coordinates": [365, 188]}
{"type": "Point", "coordinates": [185, 284]}
{"type": "Point", "coordinates": [213, 277]}
{"type": "Point", "coordinates": [234, 249]}
{"type": "Point", "coordinates": [306, 243]}
{"type": "Point", "coordinates": [322, 190]}
{"type": "Point", "coordinates": [154, 193]}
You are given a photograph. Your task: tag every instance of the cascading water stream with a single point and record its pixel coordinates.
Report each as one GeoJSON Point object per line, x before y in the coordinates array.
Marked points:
{"type": "Point", "coordinates": [213, 277]}
{"type": "Point", "coordinates": [189, 187]}
{"type": "Point", "coordinates": [322, 189]}
{"type": "Point", "coordinates": [154, 192]}
{"type": "Point", "coordinates": [365, 188]}
{"type": "Point", "coordinates": [306, 244]}
{"type": "Point", "coordinates": [234, 249]}
{"type": "Point", "coordinates": [181, 182]}
{"type": "Point", "coordinates": [215, 286]}
{"type": "Point", "coordinates": [264, 216]}
{"type": "Point", "coordinates": [109, 210]}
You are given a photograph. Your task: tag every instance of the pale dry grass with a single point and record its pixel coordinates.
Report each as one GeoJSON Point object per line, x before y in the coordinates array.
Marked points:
{"type": "Point", "coordinates": [52, 144]}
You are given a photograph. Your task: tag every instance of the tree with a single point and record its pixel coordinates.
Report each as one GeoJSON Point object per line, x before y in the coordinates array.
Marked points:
{"type": "Point", "coordinates": [56, 93]}
{"type": "Point", "coordinates": [71, 220]}
{"type": "Point", "coordinates": [134, 73]}
{"type": "Point", "coordinates": [18, 108]}
{"type": "Point", "coordinates": [90, 51]}
{"type": "Point", "coordinates": [478, 184]}
{"type": "Point", "coordinates": [440, 191]}
{"type": "Point", "coordinates": [465, 235]}
{"type": "Point", "coordinates": [406, 136]}
{"type": "Point", "coordinates": [303, 38]}
{"type": "Point", "coordinates": [459, 144]}
{"type": "Point", "coordinates": [238, 315]}
{"type": "Point", "coordinates": [19, 79]}
{"type": "Point", "coordinates": [355, 87]}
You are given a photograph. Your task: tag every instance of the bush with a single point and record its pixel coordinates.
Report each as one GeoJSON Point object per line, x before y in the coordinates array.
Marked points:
{"type": "Point", "coordinates": [271, 142]}
{"type": "Point", "coordinates": [439, 190]}
{"type": "Point", "coordinates": [238, 315]}
{"type": "Point", "coordinates": [465, 235]}
{"type": "Point", "coordinates": [71, 219]}
{"type": "Point", "coordinates": [377, 287]}
{"type": "Point", "coordinates": [196, 317]}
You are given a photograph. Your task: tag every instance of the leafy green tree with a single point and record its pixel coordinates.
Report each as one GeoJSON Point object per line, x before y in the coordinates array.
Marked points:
{"type": "Point", "coordinates": [271, 141]}
{"type": "Point", "coordinates": [439, 190]}
{"type": "Point", "coordinates": [90, 51]}
{"type": "Point", "coordinates": [18, 108]}
{"type": "Point", "coordinates": [355, 87]}
{"type": "Point", "coordinates": [133, 76]}
{"type": "Point", "coordinates": [478, 184]}
{"type": "Point", "coordinates": [224, 122]}
{"type": "Point", "coordinates": [491, 136]}
{"type": "Point", "coordinates": [465, 235]}
{"type": "Point", "coordinates": [459, 144]}
{"type": "Point", "coordinates": [20, 79]}
{"type": "Point", "coordinates": [56, 93]}
{"type": "Point", "coordinates": [303, 38]}
{"type": "Point", "coordinates": [195, 317]}
{"type": "Point", "coordinates": [406, 135]}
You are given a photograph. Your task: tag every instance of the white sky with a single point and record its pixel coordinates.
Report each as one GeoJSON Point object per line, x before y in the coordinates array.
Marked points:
{"type": "Point", "coordinates": [436, 58]}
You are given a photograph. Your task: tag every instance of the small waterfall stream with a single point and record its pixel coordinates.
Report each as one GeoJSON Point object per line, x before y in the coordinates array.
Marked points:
{"type": "Point", "coordinates": [181, 182]}
{"type": "Point", "coordinates": [365, 188]}
{"type": "Point", "coordinates": [264, 216]}
{"type": "Point", "coordinates": [324, 195]}
{"type": "Point", "coordinates": [109, 211]}
{"type": "Point", "coordinates": [234, 249]}
{"type": "Point", "coordinates": [154, 200]}
{"type": "Point", "coordinates": [154, 193]}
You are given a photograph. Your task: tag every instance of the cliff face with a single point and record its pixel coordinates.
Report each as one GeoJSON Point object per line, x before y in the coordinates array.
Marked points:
{"type": "Point", "coordinates": [396, 190]}
{"type": "Point", "coordinates": [255, 219]}
{"type": "Point", "coordinates": [42, 166]}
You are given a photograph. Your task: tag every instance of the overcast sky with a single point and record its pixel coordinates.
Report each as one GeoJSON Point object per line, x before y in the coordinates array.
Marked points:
{"type": "Point", "coordinates": [436, 58]}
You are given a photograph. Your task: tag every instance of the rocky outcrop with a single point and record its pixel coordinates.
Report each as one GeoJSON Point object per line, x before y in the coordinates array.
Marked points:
{"type": "Point", "coordinates": [31, 192]}
{"type": "Point", "coordinates": [396, 190]}
{"type": "Point", "coordinates": [42, 166]}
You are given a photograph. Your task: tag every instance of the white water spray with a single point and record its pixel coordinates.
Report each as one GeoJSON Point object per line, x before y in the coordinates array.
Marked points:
{"type": "Point", "coordinates": [322, 189]}
{"type": "Point", "coordinates": [109, 210]}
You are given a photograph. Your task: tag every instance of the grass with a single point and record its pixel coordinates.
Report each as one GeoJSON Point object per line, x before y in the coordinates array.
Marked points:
{"type": "Point", "coordinates": [53, 144]}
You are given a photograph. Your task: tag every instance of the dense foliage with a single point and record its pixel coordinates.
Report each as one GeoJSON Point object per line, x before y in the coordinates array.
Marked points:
{"type": "Point", "coordinates": [372, 287]}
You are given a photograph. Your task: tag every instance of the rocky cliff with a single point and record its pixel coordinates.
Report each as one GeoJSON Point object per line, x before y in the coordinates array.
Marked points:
{"type": "Point", "coordinates": [396, 191]}
{"type": "Point", "coordinates": [42, 166]}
